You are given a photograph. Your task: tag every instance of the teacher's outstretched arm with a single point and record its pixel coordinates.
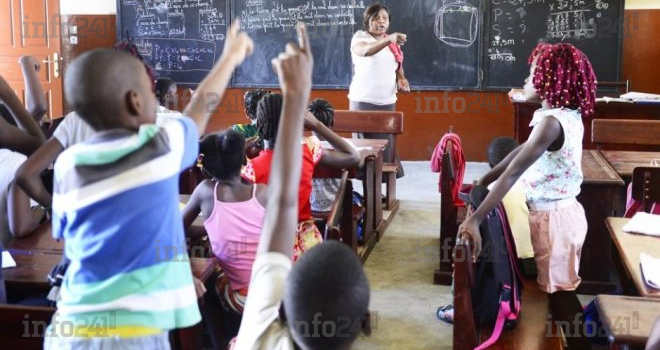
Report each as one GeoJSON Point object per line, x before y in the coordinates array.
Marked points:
{"type": "Point", "coordinates": [369, 49]}
{"type": "Point", "coordinates": [401, 81]}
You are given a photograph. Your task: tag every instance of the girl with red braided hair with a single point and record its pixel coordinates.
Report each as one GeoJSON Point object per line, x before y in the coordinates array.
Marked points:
{"type": "Point", "coordinates": [549, 165]}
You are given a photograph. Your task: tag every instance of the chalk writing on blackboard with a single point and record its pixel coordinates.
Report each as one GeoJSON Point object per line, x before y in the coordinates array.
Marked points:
{"type": "Point", "coordinates": [457, 24]}
{"type": "Point", "coordinates": [178, 54]}
{"type": "Point", "coordinates": [265, 16]}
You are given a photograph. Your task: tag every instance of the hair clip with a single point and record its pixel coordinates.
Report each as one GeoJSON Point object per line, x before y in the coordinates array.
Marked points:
{"type": "Point", "coordinates": [200, 157]}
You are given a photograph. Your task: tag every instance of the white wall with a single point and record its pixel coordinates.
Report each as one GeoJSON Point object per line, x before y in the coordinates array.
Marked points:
{"type": "Point", "coordinates": [642, 4]}
{"type": "Point", "coordinates": [88, 7]}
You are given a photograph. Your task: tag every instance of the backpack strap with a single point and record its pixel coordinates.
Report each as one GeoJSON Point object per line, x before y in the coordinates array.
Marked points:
{"type": "Point", "coordinates": [504, 314]}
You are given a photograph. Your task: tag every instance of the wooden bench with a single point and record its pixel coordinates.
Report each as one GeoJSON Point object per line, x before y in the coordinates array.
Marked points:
{"type": "Point", "coordinates": [534, 329]}
{"type": "Point", "coordinates": [627, 321]}
{"type": "Point", "coordinates": [23, 327]}
{"type": "Point", "coordinates": [646, 186]}
{"type": "Point", "coordinates": [339, 224]}
{"type": "Point", "coordinates": [626, 132]}
{"type": "Point", "coordinates": [451, 217]}
{"type": "Point", "coordinates": [382, 122]}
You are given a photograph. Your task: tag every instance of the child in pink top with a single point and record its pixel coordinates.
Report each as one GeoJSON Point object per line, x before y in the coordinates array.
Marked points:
{"type": "Point", "coordinates": [234, 213]}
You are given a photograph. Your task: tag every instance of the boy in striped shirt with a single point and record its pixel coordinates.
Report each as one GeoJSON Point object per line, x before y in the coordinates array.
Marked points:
{"type": "Point", "coordinates": [115, 204]}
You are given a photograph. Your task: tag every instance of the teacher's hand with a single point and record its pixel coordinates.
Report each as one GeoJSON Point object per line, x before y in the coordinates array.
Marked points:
{"type": "Point", "coordinates": [403, 85]}
{"type": "Point", "coordinates": [397, 38]}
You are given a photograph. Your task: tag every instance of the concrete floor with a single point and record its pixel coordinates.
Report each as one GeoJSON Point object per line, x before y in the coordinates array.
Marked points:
{"type": "Point", "coordinates": [400, 268]}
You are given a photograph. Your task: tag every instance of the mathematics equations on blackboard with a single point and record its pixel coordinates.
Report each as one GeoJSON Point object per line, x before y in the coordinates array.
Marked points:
{"type": "Point", "coordinates": [181, 39]}
{"type": "Point", "coordinates": [452, 44]}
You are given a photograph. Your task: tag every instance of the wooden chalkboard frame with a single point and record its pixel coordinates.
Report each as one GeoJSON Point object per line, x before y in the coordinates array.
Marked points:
{"type": "Point", "coordinates": [485, 86]}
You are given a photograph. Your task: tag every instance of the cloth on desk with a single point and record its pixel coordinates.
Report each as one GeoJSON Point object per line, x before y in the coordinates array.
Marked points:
{"type": "Point", "coordinates": [644, 223]}
{"type": "Point", "coordinates": [650, 270]}
{"type": "Point", "coordinates": [459, 163]}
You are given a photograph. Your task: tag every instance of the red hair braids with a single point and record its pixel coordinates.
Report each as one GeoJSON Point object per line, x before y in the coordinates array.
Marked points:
{"type": "Point", "coordinates": [564, 77]}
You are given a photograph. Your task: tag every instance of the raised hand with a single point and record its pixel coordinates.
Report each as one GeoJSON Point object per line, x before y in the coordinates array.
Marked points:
{"type": "Point", "coordinates": [237, 43]}
{"type": "Point", "coordinates": [398, 38]}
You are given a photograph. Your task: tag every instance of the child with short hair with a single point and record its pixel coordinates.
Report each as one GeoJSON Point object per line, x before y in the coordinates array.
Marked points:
{"type": "Point", "coordinates": [166, 94]}
{"type": "Point", "coordinates": [328, 283]}
{"type": "Point", "coordinates": [116, 205]}
{"type": "Point", "coordinates": [233, 217]}
{"type": "Point", "coordinates": [549, 165]}
{"type": "Point", "coordinates": [258, 169]}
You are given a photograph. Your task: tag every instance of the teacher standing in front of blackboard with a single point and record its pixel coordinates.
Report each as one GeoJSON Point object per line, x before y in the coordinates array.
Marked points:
{"type": "Point", "coordinates": [378, 70]}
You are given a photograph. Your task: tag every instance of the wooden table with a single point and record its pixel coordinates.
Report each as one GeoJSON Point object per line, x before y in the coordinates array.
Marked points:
{"type": "Point", "coordinates": [371, 154]}
{"type": "Point", "coordinates": [40, 239]}
{"type": "Point", "coordinates": [627, 320]}
{"type": "Point", "coordinates": [600, 196]}
{"type": "Point", "coordinates": [628, 246]}
{"type": "Point", "coordinates": [624, 162]}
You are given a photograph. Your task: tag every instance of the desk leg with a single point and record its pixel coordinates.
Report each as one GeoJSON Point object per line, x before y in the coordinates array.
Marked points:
{"type": "Point", "coordinates": [369, 198]}
{"type": "Point", "coordinates": [599, 202]}
{"type": "Point", "coordinates": [378, 194]}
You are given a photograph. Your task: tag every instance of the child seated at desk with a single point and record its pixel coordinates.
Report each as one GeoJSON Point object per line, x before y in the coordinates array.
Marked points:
{"type": "Point", "coordinates": [116, 204]}
{"type": "Point", "coordinates": [233, 217]}
{"type": "Point", "coordinates": [258, 169]}
{"type": "Point", "coordinates": [328, 283]}
{"type": "Point", "coordinates": [323, 190]}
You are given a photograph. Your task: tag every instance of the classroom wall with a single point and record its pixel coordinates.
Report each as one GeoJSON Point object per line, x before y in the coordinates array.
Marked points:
{"type": "Point", "coordinates": [477, 117]}
{"type": "Point", "coordinates": [642, 4]}
{"type": "Point", "coordinates": [88, 7]}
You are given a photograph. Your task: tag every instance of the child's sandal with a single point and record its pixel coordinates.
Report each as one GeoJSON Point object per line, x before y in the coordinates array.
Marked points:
{"type": "Point", "coordinates": [446, 313]}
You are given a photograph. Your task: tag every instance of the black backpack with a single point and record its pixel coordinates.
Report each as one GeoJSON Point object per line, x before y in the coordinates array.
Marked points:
{"type": "Point", "coordinates": [498, 282]}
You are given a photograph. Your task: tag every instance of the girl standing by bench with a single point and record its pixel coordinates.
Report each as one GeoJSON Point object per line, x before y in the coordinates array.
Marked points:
{"type": "Point", "coordinates": [549, 165]}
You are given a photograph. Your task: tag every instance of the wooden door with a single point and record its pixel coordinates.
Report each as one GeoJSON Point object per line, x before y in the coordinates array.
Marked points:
{"type": "Point", "coordinates": [32, 27]}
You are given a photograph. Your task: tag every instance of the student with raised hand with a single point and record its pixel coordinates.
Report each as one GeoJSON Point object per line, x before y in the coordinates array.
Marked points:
{"type": "Point", "coordinates": [20, 135]}
{"type": "Point", "coordinates": [328, 283]}
{"type": "Point", "coordinates": [116, 203]}
{"type": "Point", "coordinates": [562, 79]}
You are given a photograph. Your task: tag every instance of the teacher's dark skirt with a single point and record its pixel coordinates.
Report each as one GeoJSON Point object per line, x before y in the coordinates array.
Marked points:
{"type": "Point", "coordinates": [389, 156]}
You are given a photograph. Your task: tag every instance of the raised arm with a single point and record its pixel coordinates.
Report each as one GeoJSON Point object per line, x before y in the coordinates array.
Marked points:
{"type": "Point", "coordinates": [294, 70]}
{"type": "Point", "coordinates": [208, 95]}
{"type": "Point", "coordinates": [343, 154]}
{"type": "Point", "coordinates": [28, 136]}
{"type": "Point", "coordinates": [549, 130]}
{"type": "Point", "coordinates": [366, 49]}
{"type": "Point", "coordinates": [35, 99]}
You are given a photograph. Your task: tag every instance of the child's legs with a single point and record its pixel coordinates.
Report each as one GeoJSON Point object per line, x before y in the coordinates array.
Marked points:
{"type": "Point", "coordinates": [557, 238]}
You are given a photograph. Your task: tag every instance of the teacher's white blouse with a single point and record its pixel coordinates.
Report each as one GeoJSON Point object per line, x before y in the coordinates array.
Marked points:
{"type": "Point", "coordinates": [374, 79]}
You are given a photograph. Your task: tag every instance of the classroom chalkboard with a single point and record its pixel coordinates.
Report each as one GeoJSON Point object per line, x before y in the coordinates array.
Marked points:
{"type": "Point", "coordinates": [515, 27]}
{"type": "Point", "coordinates": [452, 44]}
{"type": "Point", "coordinates": [271, 24]}
{"type": "Point", "coordinates": [442, 50]}
{"type": "Point", "coordinates": [181, 39]}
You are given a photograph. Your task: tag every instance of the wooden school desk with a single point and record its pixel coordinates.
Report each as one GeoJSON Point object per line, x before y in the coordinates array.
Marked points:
{"type": "Point", "coordinates": [524, 111]}
{"type": "Point", "coordinates": [371, 154]}
{"type": "Point", "coordinates": [627, 248]}
{"type": "Point", "coordinates": [627, 320]}
{"type": "Point", "coordinates": [624, 162]}
{"type": "Point", "coordinates": [600, 196]}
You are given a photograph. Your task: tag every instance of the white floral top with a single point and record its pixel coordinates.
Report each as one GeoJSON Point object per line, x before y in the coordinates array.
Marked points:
{"type": "Point", "coordinates": [557, 175]}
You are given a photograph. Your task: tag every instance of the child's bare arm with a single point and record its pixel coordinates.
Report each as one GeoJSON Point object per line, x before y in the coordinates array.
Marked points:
{"type": "Point", "coordinates": [21, 217]}
{"type": "Point", "coordinates": [294, 69]}
{"type": "Point", "coordinates": [191, 212]}
{"type": "Point", "coordinates": [28, 175]}
{"type": "Point", "coordinates": [34, 94]}
{"type": "Point", "coordinates": [208, 95]}
{"type": "Point", "coordinates": [343, 154]}
{"type": "Point", "coordinates": [26, 139]}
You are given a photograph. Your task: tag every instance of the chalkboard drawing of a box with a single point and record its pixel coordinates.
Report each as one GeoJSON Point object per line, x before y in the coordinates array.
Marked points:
{"type": "Point", "coordinates": [457, 24]}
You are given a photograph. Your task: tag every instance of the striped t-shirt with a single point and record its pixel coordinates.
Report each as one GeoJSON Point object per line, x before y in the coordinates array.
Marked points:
{"type": "Point", "coordinates": [116, 205]}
